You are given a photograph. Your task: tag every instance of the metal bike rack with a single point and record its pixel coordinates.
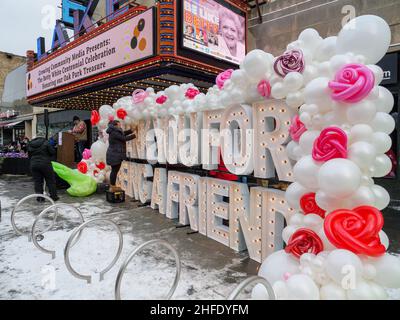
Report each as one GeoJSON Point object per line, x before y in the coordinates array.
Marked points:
{"type": "Point", "coordinates": [135, 252]}
{"type": "Point", "coordinates": [54, 206]}
{"type": "Point", "coordinates": [19, 232]}
{"type": "Point", "coordinates": [70, 243]}
{"type": "Point", "coordinates": [252, 280]}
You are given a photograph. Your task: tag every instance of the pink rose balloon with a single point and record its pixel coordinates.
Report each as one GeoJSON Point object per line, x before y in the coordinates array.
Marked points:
{"type": "Point", "coordinates": [353, 82]}
{"type": "Point", "coordinates": [222, 77]}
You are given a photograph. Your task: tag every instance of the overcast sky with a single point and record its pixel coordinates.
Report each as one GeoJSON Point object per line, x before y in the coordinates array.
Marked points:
{"type": "Point", "coordinates": [23, 21]}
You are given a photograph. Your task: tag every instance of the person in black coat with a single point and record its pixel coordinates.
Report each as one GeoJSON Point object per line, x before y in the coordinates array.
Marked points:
{"type": "Point", "coordinates": [116, 152]}
{"type": "Point", "coordinates": [40, 154]}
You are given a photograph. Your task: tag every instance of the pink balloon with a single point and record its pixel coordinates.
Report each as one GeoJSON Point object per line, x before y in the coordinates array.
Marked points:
{"type": "Point", "coordinates": [222, 77]}
{"type": "Point", "coordinates": [353, 82]}
{"type": "Point", "coordinates": [87, 154]}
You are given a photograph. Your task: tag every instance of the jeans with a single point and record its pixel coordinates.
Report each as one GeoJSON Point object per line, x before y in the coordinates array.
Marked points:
{"type": "Point", "coordinates": [80, 147]}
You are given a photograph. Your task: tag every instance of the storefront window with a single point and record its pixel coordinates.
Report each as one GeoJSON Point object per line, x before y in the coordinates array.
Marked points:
{"type": "Point", "coordinates": [54, 128]}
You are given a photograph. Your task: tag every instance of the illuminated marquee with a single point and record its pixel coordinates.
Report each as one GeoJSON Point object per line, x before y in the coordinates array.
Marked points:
{"type": "Point", "coordinates": [227, 211]}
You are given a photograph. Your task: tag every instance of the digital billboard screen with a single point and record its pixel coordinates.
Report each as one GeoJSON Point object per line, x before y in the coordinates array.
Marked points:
{"type": "Point", "coordinates": [214, 29]}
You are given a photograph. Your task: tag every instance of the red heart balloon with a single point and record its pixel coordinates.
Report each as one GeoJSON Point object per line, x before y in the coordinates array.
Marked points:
{"type": "Point", "coordinates": [356, 230]}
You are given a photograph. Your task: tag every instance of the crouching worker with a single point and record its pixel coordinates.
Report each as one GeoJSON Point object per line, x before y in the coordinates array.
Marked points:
{"type": "Point", "coordinates": [116, 152]}
{"type": "Point", "coordinates": [40, 153]}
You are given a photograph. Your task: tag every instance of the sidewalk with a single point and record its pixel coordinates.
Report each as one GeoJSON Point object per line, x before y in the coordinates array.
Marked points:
{"type": "Point", "coordinates": [209, 270]}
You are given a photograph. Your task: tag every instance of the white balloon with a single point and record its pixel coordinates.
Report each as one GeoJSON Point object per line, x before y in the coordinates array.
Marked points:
{"type": "Point", "coordinates": [287, 232]}
{"type": "Point", "coordinates": [382, 142]}
{"type": "Point", "coordinates": [239, 77]}
{"type": "Point", "coordinates": [385, 100]}
{"type": "Point", "coordinates": [328, 246]}
{"type": "Point", "coordinates": [317, 92]}
{"type": "Point", "coordinates": [339, 60]}
{"type": "Point", "coordinates": [366, 290]}
{"type": "Point", "coordinates": [339, 177]}
{"type": "Point", "coordinates": [327, 202]}
{"type": "Point", "coordinates": [290, 150]}
{"type": "Point", "coordinates": [341, 262]}
{"type": "Point", "coordinates": [295, 99]}
{"type": "Point", "coordinates": [276, 265]}
{"type": "Point", "coordinates": [378, 73]}
{"type": "Point", "coordinates": [306, 172]}
{"type": "Point", "coordinates": [382, 197]}
{"type": "Point", "coordinates": [280, 290]}
{"type": "Point", "coordinates": [106, 111]}
{"type": "Point", "coordinates": [369, 272]}
{"type": "Point", "coordinates": [293, 81]}
{"type": "Point", "coordinates": [383, 122]}
{"type": "Point", "coordinates": [326, 49]}
{"type": "Point", "coordinates": [310, 73]}
{"type": "Point", "coordinates": [384, 239]}
{"type": "Point", "coordinates": [259, 292]}
{"type": "Point", "coordinates": [382, 166]}
{"type": "Point", "coordinates": [364, 196]}
{"type": "Point", "coordinates": [257, 63]}
{"type": "Point", "coordinates": [361, 112]}
{"type": "Point", "coordinates": [307, 139]}
{"type": "Point", "coordinates": [332, 291]}
{"type": "Point", "coordinates": [99, 151]}
{"type": "Point", "coordinates": [296, 219]}
{"type": "Point", "coordinates": [360, 132]}
{"type": "Point", "coordinates": [387, 270]}
{"type": "Point", "coordinates": [278, 91]}
{"type": "Point", "coordinates": [362, 153]}
{"type": "Point", "coordinates": [293, 194]}
{"type": "Point", "coordinates": [302, 287]}
{"type": "Point", "coordinates": [358, 34]}
{"type": "Point", "coordinates": [325, 70]}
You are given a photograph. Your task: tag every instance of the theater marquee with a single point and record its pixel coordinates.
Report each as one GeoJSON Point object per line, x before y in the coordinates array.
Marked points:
{"type": "Point", "coordinates": [127, 42]}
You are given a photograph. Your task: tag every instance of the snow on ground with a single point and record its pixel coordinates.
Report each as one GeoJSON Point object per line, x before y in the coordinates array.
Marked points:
{"type": "Point", "coordinates": [27, 273]}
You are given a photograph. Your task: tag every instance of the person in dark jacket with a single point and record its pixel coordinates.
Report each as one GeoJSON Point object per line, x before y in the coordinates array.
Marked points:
{"type": "Point", "coordinates": [116, 152]}
{"type": "Point", "coordinates": [40, 153]}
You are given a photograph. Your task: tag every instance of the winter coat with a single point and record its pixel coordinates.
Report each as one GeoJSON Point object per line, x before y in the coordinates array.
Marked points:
{"type": "Point", "coordinates": [40, 152]}
{"type": "Point", "coordinates": [116, 152]}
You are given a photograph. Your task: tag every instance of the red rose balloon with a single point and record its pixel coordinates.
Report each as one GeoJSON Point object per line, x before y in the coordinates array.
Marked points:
{"type": "Point", "coordinates": [82, 167]}
{"type": "Point", "coordinates": [121, 113]}
{"type": "Point", "coordinates": [331, 144]}
{"type": "Point", "coordinates": [304, 241]}
{"type": "Point", "coordinates": [309, 205]}
{"type": "Point", "coordinates": [356, 230]}
{"type": "Point", "coordinates": [95, 118]}
{"type": "Point", "coordinates": [101, 165]}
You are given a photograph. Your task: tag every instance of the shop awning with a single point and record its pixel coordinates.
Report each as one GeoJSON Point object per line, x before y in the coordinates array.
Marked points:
{"type": "Point", "coordinates": [9, 124]}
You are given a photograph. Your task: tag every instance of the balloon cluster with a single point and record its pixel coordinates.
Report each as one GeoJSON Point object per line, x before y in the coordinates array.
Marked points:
{"type": "Point", "coordinates": [335, 245]}
{"type": "Point", "coordinates": [94, 164]}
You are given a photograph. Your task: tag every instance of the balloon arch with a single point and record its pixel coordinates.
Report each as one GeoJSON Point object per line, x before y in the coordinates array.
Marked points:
{"type": "Point", "coordinates": [335, 246]}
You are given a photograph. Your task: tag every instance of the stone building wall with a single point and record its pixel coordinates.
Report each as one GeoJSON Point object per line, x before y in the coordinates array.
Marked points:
{"type": "Point", "coordinates": [283, 20]}
{"type": "Point", "coordinates": [8, 62]}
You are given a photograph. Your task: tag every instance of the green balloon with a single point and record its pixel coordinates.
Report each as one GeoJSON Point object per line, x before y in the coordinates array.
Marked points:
{"type": "Point", "coordinates": [81, 185]}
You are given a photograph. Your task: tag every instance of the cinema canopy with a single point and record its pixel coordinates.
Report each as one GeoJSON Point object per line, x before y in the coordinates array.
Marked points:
{"type": "Point", "coordinates": [170, 43]}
